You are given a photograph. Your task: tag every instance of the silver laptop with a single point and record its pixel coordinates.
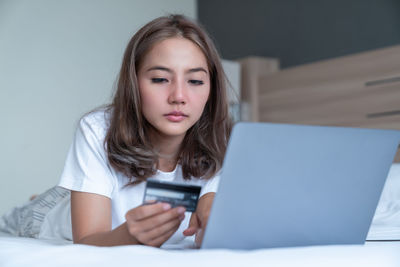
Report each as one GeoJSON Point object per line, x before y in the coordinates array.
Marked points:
{"type": "Point", "coordinates": [294, 185]}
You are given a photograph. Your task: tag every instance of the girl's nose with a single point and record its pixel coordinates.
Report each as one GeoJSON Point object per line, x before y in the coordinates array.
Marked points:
{"type": "Point", "coordinates": [178, 93]}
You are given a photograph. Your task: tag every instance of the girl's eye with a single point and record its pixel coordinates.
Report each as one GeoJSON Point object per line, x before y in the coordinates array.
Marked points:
{"type": "Point", "coordinates": [196, 82]}
{"type": "Point", "coordinates": [159, 80]}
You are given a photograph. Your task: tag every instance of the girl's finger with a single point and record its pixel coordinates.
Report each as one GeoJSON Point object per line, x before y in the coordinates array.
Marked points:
{"type": "Point", "coordinates": [193, 225]}
{"type": "Point", "coordinates": [190, 231]}
{"type": "Point", "coordinates": [157, 242]}
{"type": "Point", "coordinates": [162, 229]}
{"type": "Point", "coordinates": [160, 219]}
{"type": "Point", "coordinates": [145, 211]}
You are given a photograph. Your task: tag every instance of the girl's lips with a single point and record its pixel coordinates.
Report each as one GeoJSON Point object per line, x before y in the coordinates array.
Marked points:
{"type": "Point", "coordinates": [175, 116]}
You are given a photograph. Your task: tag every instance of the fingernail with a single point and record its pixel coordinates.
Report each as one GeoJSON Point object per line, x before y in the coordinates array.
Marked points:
{"type": "Point", "coordinates": [181, 210]}
{"type": "Point", "coordinates": [166, 206]}
{"type": "Point", "coordinates": [182, 217]}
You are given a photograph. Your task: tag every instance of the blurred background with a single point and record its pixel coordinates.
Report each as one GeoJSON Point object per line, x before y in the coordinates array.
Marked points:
{"type": "Point", "coordinates": [60, 59]}
{"type": "Point", "coordinates": [299, 32]}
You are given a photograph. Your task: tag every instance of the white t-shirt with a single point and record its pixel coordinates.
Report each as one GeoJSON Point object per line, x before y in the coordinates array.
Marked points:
{"type": "Point", "coordinates": [87, 169]}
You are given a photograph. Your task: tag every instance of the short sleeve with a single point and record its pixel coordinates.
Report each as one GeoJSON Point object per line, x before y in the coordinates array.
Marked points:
{"type": "Point", "coordinates": [86, 168]}
{"type": "Point", "coordinates": [210, 186]}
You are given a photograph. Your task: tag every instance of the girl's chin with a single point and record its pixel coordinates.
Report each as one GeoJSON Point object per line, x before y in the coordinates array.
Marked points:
{"type": "Point", "coordinates": [175, 131]}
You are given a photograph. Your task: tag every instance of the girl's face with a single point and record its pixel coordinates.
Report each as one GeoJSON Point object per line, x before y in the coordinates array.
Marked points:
{"type": "Point", "coordinates": [174, 85]}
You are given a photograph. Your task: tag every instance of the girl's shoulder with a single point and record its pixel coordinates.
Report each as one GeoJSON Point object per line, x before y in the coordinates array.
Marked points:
{"type": "Point", "coordinates": [96, 121]}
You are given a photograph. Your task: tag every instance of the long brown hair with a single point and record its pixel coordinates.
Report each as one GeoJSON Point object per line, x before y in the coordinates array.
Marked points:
{"type": "Point", "coordinates": [127, 143]}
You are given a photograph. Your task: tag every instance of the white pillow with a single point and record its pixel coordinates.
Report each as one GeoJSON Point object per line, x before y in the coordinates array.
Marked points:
{"type": "Point", "coordinates": [386, 222]}
{"type": "Point", "coordinates": [391, 191]}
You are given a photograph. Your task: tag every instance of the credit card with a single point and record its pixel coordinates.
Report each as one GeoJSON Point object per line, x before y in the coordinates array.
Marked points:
{"type": "Point", "coordinates": [173, 193]}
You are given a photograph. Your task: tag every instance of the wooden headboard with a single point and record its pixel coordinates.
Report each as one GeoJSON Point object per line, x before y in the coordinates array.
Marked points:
{"type": "Point", "coordinates": [360, 90]}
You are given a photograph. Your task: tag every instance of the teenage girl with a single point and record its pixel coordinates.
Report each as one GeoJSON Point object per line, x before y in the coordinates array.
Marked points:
{"type": "Point", "coordinates": [169, 121]}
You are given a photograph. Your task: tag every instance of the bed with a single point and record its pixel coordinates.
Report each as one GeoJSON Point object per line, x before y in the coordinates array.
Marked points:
{"type": "Point", "coordinates": [345, 91]}
{"type": "Point", "coordinates": [17, 252]}
{"type": "Point", "coordinates": [383, 249]}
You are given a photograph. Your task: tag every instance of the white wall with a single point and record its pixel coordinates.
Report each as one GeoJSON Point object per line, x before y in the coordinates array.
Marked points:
{"type": "Point", "coordinates": [58, 60]}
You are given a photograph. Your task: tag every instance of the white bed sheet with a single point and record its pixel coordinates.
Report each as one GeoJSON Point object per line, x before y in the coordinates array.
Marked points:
{"type": "Point", "coordinates": [17, 251]}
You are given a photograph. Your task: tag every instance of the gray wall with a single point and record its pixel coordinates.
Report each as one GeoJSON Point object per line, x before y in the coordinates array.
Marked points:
{"type": "Point", "coordinates": [298, 31]}
{"type": "Point", "coordinates": [58, 60]}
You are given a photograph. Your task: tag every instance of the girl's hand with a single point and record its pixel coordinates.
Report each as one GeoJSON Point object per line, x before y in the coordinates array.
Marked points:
{"type": "Point", "coordinates": [199, 219]}
{"type": "Point", "coordinates": [153, 224]}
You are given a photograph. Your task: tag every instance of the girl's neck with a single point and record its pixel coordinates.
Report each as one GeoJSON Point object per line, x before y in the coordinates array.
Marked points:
{"type": "Point", "coordinates": [166, 165]}
{"type": "Point", "coordinates": [168, 149]}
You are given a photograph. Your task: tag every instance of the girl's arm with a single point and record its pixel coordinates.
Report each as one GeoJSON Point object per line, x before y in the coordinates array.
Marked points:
{"type": "Point", "coordinates": [149, 224]}
{"type": "Point", "coordinates": [91, 221]}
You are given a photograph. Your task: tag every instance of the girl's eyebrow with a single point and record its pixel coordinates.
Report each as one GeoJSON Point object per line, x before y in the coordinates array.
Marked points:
{"type": "Point", "coordinates": [197, 69]}
{"type": "Point", "coordinates": [159, 68]}
{"type": "Point", "coordinates": [169, 70]}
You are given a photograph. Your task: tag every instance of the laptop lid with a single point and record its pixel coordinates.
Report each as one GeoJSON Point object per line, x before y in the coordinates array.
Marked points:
{"type": "Point", "coordinates": [295, 185]}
